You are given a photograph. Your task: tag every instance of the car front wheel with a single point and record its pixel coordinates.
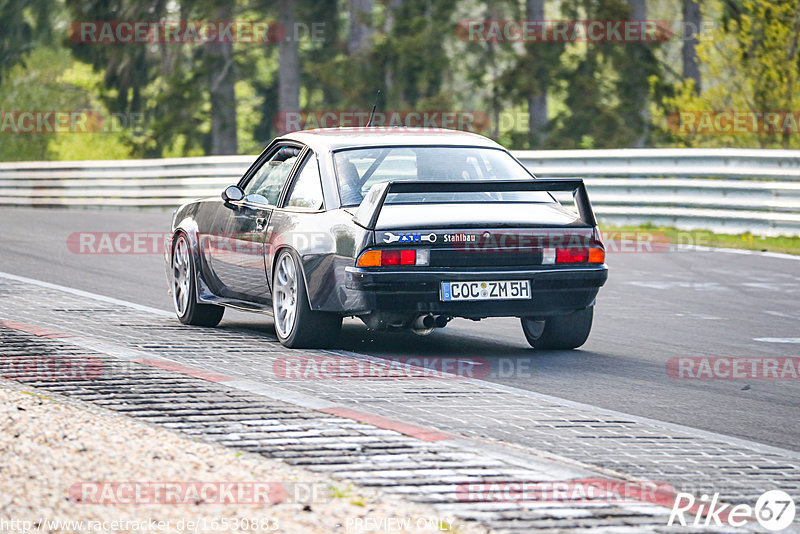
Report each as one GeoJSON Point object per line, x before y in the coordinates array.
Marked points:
{"type": "Point", "coordinates": [296, 324]}
{"type": "Point", "coordinates": [559, 332]}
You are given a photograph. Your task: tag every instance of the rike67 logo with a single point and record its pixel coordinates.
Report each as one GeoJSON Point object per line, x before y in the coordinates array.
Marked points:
{"type": "Point", "coordinates": [774, 510]}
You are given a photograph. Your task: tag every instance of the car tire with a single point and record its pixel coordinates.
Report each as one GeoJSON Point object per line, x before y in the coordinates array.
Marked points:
{"type": "Point", "coordinates": [296, 324]}
{"type": "Point", "coordinates": [560, 332]}
{"type": "Point", "coordinates": [188, 310]}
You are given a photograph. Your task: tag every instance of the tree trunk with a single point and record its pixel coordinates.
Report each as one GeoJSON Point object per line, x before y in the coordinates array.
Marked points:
{"type": "Point", "coordinates": [360, 24]}
{"type": "Point", "coordinates": [222, 78]}
{"type": "Point", "coordinates": [791, 56]}
{"type": "Point", "coordinates": [692, 19]}
{"type": "Point", "coordinates": [537, 104]}
{"type": "Point", "coordinates": [639, 12]}
{"type": "Point", "coordinates": [288, 62]}
{"type": "Point", "coordinates": [388, 76]}
{"type": "Point", "coordinates": [638, 9]}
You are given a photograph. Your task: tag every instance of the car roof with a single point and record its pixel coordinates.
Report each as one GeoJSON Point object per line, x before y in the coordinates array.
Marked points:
{"type": "Point", "coordinates": [328, 139]}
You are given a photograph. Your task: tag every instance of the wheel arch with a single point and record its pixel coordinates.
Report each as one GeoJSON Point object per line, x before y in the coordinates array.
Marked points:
{"type": "Point", "coordinates": [187, 226]}
{"type": "Point", "coordinates": [296, 254]}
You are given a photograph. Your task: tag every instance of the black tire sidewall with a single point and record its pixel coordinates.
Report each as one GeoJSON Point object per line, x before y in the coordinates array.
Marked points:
{"type": "Point", "coordinates": [563, 332]}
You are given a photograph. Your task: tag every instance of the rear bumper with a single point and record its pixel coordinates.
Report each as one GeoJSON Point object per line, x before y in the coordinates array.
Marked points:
{"type": "Point", "coordinates": [554, 291]}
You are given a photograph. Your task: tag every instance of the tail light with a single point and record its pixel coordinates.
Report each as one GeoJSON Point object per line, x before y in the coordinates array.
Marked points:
{"type": "Point", "coordinates": [597, 255]}
{"type": "Point", "coordinates": [392, 257]}
{"type": "Point", "coordinates": [573, 255]}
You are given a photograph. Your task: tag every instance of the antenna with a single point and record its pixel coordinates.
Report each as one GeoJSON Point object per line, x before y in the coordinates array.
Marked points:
{"type": "Point", "coordinates": [369, 122]}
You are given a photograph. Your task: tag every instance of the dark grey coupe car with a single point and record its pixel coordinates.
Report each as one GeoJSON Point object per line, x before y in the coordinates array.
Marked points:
{"type": "Point", "coordinates": [403, 229]}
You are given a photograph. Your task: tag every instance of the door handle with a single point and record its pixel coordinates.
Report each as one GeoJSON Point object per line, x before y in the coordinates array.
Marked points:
{"type": "Point", "coordinates": [260, 223]}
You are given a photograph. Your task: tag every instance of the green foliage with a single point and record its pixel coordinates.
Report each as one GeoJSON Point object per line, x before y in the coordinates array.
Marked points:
{"type": "Point", "coordinates": [126, 67]}
{"type": "Point", "coordinates": [605, 84]}
{"type": "Point", "coordinates": [35, 86]}
{"type": "Point", "coordinates": [414, 51]}
{"type": "Point", "coordinates": [23, 26]}
{"type": "Point", "coordinates": [600, 94]}
{"type": "Point", "coordinates": [754, 60]}
{"type": "Point", "coordinates": [51, 80]}
{"type": "Point", "coordinates": [406, 59]}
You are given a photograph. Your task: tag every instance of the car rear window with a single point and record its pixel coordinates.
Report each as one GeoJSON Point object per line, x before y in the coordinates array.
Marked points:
{"type": "Point", "coordinates": [361, 168]}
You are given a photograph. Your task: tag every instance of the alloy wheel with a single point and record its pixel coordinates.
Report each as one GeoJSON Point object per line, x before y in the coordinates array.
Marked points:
{"type": "Point", "coordinates": [181, 271]}
{"type": "Point", "coordinates": [285, 296]}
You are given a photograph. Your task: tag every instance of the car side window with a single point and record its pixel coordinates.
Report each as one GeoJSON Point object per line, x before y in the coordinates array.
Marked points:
{"type": "Point", "coordinates": [267, 183]}
{"type": "Point", "coordinates": [306, 191]}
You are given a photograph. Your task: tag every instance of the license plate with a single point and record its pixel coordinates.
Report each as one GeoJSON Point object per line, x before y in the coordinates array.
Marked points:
{"type": "Point", "coordinates": [483, 290]}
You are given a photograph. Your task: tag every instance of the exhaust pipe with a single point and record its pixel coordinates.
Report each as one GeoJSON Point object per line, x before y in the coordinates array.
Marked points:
{"type": "Point", "coordinates": [440, 321]}
{"type": "Point", "coordinates": [424, 322]}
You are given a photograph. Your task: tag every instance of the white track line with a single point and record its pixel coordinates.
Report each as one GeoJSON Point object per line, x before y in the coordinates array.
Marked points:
{"type": "Point", "coordinates": [741, 251]}
{"type": "Point", "coordinates": [95, 296]}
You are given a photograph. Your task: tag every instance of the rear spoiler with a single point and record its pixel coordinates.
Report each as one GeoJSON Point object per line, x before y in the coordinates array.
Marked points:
{"type": "Point", "coordinates": [370, 208]}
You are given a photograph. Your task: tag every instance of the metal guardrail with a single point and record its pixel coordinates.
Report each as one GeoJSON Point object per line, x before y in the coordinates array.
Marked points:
{"type": "Point", "coordinates": [725, 190]}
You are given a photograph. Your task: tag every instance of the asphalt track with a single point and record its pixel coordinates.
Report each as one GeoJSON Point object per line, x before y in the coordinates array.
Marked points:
{"type": "Point", "coordinates": [656, 306]}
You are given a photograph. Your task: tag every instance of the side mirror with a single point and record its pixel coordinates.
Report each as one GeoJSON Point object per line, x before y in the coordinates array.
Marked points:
{"type": "Point", "coordinates": [232, 193]}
